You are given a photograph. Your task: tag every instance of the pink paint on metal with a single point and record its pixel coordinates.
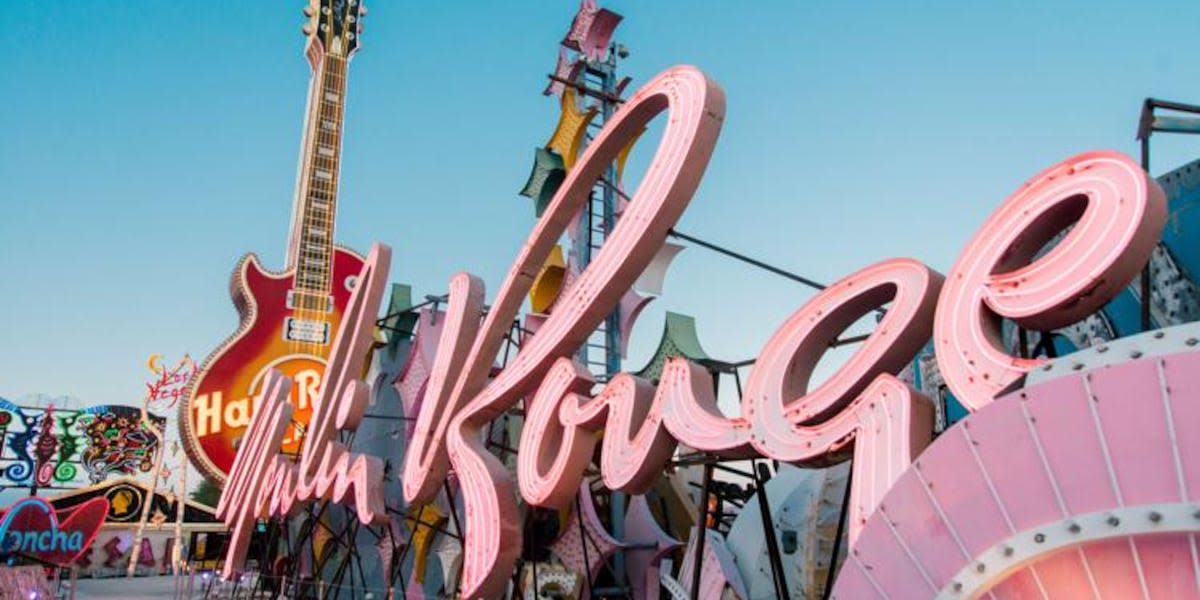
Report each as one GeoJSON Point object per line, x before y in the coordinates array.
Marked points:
{"type": "Point", "coordinates": [591, 30]}
{"type": "Point", "coordinates": [563, 425]}
{"type": "Point", "coordinates": [651, 282]}
{"type": "Point", "coordinates": [718, 569]}
{"type": "Point", "coordinates": [601, 546]}
{"type": "Point", "coordinates": [599, 34]}
{"type": "Point", "coordinates": [414, 375]}
{"type": "Point", "coordinates": [553, 455]}
{"type": "Point", "coordinates": [581, 24]}
{"type": "Point", "coordinates": [783, 420]}
{"type": "Point", "coordinates": [1019, 477]}
{"type": "Point", "coordinates": [1118, 212]}
{"type": "Point", "coordinates": [533, 322]}
{"type": "Point", "coordinates": [242, 502]}
{"type": "Point", "coordinates": [649, 544]}
{"type": "Point", "coordinates": [632, 305]}
{"type": "Point", "coordinates": [492, 532]}
{"type": "Point", "coordinates": [426, 463]}
{"type": "Point", "coordinates": [264, 483]}
{"type": "Point", "coordinates": [564, 68]}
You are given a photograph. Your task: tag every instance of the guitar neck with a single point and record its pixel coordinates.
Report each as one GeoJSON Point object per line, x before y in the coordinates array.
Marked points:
{"type": "Point", "coordinates": [310, 249]}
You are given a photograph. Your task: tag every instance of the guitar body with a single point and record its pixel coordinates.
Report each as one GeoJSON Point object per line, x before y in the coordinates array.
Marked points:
{"type": "Point", "coordinates": [222, 395]}
{"type": "Point", "coordinates": [288, 319]}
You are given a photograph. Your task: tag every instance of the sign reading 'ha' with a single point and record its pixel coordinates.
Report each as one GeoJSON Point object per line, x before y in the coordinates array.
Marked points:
{"type": "Point", "coordinates": [1114, 214]}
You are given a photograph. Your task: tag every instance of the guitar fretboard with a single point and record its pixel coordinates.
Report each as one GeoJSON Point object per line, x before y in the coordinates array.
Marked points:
{"type": "Point", "coordinates": [311, 250]}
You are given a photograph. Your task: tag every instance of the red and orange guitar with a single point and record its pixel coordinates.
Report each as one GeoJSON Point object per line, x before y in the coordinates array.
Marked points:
{"type": "Point", "coordinates": [288, 318]}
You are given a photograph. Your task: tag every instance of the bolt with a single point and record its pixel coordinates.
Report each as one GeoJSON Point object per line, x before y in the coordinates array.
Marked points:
{"type": "Point", "coordinates": [979, 568]}
{"type": "Point", "coordinates": [1191, 341]}
{"type": "Point", "coordinates": [957, 586]}
{"type": "Point", "coordinates": [1155, 516]}
{"type": "Point", "coordinates": [1039, 538]}
{"type": "Point", "coordinates": [1158, 335]}
{"type": "Point", "coordinates": [1073, 527]}
{"type": "Point", "coordinates": [1008, 551]}
{"type": "Point", "coordinates": [1113, 520]}
{"type": "Point", "coordinates": [1101, 349]}
{"type": "Point", "coordinates": [1135, 354]}
{"type": "Point", "coordinates": [1077, 366]}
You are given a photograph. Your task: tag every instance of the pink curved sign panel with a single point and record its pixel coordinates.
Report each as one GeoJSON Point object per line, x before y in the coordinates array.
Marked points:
{"type": "Point", "coordinates": [1009, 503]}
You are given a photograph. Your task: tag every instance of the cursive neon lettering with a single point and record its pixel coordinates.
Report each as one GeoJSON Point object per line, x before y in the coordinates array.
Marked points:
{"type": "Point", "coordinates": [862, 409]}
{"type": "Point", "coordinates": [696, 106]}
{"type": "Point", "coordinates": [1118, 212]}
{"type": "Point", "coordinates": [264, 483]}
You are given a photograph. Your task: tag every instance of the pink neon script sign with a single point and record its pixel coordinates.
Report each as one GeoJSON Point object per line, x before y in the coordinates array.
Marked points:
{"type": "Point", "coordinates": [1118, 214]}
{"type": "Point", "coordinates": [862, 409]}
{"type": "Point", "coordinates": [262, 482]}
{"type": "Point", "coordinates": [455, 411]}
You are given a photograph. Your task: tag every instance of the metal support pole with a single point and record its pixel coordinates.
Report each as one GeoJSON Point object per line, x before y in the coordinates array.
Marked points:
{"type": "Point", "coordinates": [746, 259]}
{"type": "Point", "coordinates": [135, 552]}
{"type": "Point", "coordinates": [764, 508]}
{"type": "Point", "coordinates": [1147, 271]}
{"type": "Point", "coordinates": [701, 531]}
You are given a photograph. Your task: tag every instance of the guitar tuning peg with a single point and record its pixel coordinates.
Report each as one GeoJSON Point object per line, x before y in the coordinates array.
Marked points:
{"type": "Point", "coordinates": [360, 28]}
{"type": "Point", "coordinates": [306, 29]}
{"type": "Point", "coordinates": [363, 11]}
{"type": "Point", "coordinates": [308, 11]}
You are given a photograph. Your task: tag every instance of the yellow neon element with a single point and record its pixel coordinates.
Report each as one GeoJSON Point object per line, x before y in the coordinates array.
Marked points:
{"type": "Point", "coordinates": [152, 363]}
{"type": "Point", "coordinates": [567, 138]}
{"type": "Point", "coordinates": [425, 527]}
{"type": "Point", "coordinates": [549, 281]}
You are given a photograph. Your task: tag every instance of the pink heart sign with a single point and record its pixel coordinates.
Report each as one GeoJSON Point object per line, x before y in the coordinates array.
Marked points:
{"type": "Point", "coordinates": [31, 527]}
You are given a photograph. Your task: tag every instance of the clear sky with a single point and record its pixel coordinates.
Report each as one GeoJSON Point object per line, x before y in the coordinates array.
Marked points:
{"type": "Point", "coordinates": [148, 144]}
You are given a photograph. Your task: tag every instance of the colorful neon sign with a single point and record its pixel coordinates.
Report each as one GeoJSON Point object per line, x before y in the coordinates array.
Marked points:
{"type": "Point", "coordinates": [1116, 211]}
{"type": "Point", "coordinates": [168, 386]}
{"type": "Point", "coordinates": [32, 527]}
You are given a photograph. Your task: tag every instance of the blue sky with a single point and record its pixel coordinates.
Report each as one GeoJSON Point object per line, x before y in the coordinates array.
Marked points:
{"type": "Point", "coordinates": [147, 145]}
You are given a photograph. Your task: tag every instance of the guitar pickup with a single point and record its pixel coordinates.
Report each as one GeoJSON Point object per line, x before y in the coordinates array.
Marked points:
{"type": "Point", "coordinates": [305, 330]}
{"type": "Point", "coordinates": [309, 301]}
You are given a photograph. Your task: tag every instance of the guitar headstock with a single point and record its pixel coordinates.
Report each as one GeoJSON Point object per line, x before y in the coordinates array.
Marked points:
{"type": "Point", "coordinates": [334, 25]}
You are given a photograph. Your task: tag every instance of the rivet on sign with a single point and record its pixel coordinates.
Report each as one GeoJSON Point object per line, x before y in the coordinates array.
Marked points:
{"type": "Point", "coordinates": [1155, 516]}
{"type": "Point", "coordinates": [1196, 514]}
{"type": "Point", "coordinates": [1135, 354]}
{"type": "Point", "coordinates": [1113, 521]}
{"type": "Point", "coordinates": [1008, 551]}
{"type": "Point", "coordinates": [1039, 538]}
{"type": "Point", "coordinates": [1158, 335]}
{"type": "Point", "coordinates": [1073, 528]}
{"type": "Point", "coordinates": [1048, 367]}
{"type": "Point", "coordinates": [1077, 366]}
{"type": "Point", "coordinates": [1101, 349]}
{"type": "Point", "coordinates": [979, 568]}
{"type": "Point", "coordinates": [957, 586]}
{"type": "Point", "coordinates": [1191, 341]}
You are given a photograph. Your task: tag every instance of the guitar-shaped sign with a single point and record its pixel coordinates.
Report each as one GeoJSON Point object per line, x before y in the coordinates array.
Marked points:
{"type": "Point", "coordinates": [287, 318]}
